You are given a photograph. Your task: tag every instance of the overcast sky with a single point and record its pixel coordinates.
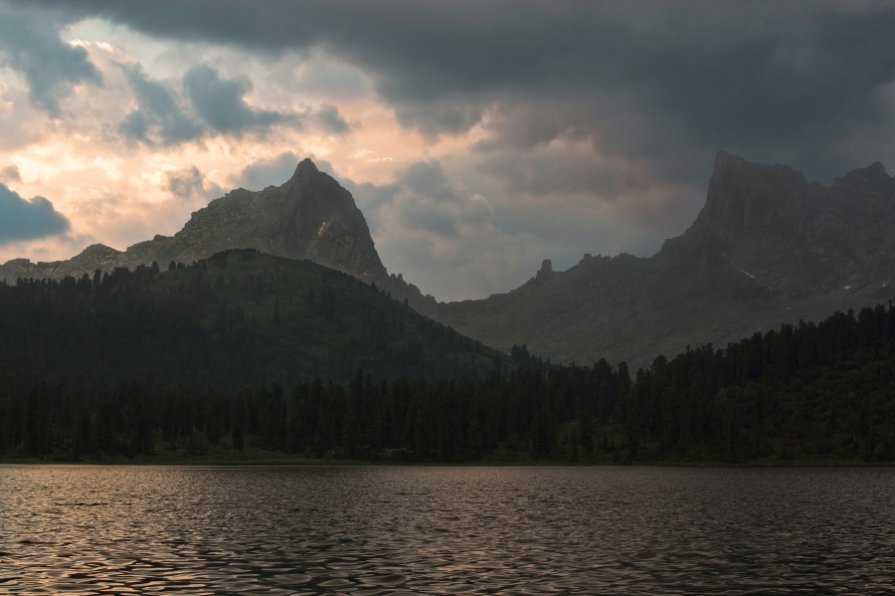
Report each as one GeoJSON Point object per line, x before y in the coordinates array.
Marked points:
{"type": "Point", "coordinates": [477, 137]}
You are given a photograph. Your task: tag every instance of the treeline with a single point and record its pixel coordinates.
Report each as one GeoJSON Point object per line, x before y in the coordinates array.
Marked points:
{"type": "Point", "coordinates": [238, 319]}
{"type": "Point", "coordinates": [811, 391]}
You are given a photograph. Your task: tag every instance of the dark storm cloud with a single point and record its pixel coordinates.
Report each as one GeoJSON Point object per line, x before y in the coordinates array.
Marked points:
{"type": "Point", "coordinates": [221, 104]}
{"type": "Point", "coordinates": [427, 178]}
{"type": "Point", "coordinates": [370, 199]}
{"type": "Point", "coordinates": [774, 80]}
{"type": "Point", "coordinates": [22, 219]}
{"type": "Point", "coordinates": [330, 119]}
{"type": "Point", "coordinates": [159, 117]}
{"type": "Point", "coordinates": [428, 201]}
{"type": "Point", "coordinates": [30, 45]}
{"type": "Point", "coordinates": [215, 106]}
{"type": "Point", "coordinates": [423, 199]}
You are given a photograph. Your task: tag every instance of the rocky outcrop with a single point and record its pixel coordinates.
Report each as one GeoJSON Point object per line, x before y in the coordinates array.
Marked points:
{"type": "Point", "coordinates": [546, 270]}
{"type": "Point", "coordinates": [309, 217]}
{"type": "Point", "coordinates": [791, 236]}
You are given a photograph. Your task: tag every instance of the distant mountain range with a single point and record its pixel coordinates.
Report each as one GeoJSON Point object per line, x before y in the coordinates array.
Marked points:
{"type": "Point", "coordinates": [767, 248]}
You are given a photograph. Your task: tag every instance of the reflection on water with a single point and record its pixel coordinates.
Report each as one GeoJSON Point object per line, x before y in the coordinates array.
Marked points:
{"type": "Point", "coordinates": [454, 530]}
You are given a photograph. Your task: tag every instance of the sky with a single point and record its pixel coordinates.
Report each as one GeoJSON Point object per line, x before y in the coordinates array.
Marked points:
{"type": "Point", "coordinates": [478, 138]}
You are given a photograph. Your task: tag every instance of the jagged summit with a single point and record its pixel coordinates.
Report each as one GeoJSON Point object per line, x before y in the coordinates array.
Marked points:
{"type": "Point", "coordinates": [725, 161]}
{"type": "Point", "coordinates": [546, 270]}
{"type": "Point", "coordinates": [789, 235]}
{"type": "Point", "coordinates": [306, 165]}
{"type": "Point", "coordinates": [305, 170]}
{"type": "Point", "coordinates": [310, 216]}
{"type": "Point", "coordinates": [746, 198]}
{"type": "Point", "coordinates": [768, 247]}
{"type": "Point", "coordinates": [872, 179]}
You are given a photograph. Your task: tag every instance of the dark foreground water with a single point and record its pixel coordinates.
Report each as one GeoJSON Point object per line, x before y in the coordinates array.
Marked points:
{"type": "Point", "coordinates": [445, 530]}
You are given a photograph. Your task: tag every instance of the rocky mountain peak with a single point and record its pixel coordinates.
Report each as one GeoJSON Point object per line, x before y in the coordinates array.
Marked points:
{"type": "Point", "coordinates": [788, 236]}
{"type": "Point", "coordinates": [749, 199]}
{"type": "Point", "coordinates": [305, 170]}
{"type": "Point", "coordinates": [310, 216]}
{"type": "Point", "coordinates": [97, 256]}
{"type": "Point", "coordinates": [99, 251]}
{"type": "Point", "coordinates": [546, 270]}
{"type": "Point", "coordinates": [725, 162]}
{"type": "Point", "coordinates": [767, 248]}
{"type": "Point", "coordinates": [872, 179]}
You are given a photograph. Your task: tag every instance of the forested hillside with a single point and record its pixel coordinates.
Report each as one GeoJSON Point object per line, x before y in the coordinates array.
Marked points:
{"type": "Point", "coordinates": [238, 319]}
{"type": "Point", "coordinates": [812, 392]}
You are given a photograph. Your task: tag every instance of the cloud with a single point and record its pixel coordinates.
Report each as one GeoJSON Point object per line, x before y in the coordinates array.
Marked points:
{"type": "Point", "coordinates": [456, 231]}
{"type": "Point", "coordinates": [159, 117]}
{"type": "Point", "coordinates": [22, 123]}
{"type": "Point", "coordinates": [212, 106]}
{"type": "Point", "coordinates": [276, 170]}
{"type": "Point", "coordinates": [22, 219]}
{"type": "Point", "coordinates": [434, 116]}
{"type": "Point", "coordinates": [221, 104]}
{"type": "Point", "coordinates": [767, 79]}
{"type": "Point", "coordinates": [438, 233]}
{"type": "Point", "coordinates": [10, 174]}
{"type": "Point", "coordinates": [540, 129]}
{"type": "Point", "coordinates": [329, 118]}
{"type": "Point", "coordinates": [330, 79]}
{"type": "Point", "coordinates": [424, 201]}
{"type": "Point", "coordinates": [268, 172]}
{"type": "Point", "coordinates": [191, 184]}
{"type": "Point", "coordinates": [30, 45]}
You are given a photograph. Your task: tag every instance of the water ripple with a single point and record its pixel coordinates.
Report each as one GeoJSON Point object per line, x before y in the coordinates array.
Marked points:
{"type": "Point", "coordinates": [100, 530]}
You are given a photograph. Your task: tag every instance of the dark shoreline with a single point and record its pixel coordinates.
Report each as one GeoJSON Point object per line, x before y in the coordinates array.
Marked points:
{"type": "Point", "coordinates": [288, 461]}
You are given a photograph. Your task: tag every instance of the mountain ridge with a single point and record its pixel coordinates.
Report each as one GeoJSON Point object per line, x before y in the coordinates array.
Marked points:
{"type": "Point", "coordinates": [767, 247]}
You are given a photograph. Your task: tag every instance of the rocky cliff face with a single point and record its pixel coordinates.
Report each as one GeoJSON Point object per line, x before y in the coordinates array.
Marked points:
{"type": "Point", "coordinates": [767, 248]}
{"type": "Point", "coordinates": [309, 217]}
{"type": "Point", "coordinates": [791, 236]}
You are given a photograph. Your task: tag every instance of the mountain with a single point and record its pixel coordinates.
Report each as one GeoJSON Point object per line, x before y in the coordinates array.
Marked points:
{"type": "Point", "coordinates": [240, 318]}
{"type": "Point", "coordinates": [768, 247]}
{"type": "Point", "coordinates": [309, 217]}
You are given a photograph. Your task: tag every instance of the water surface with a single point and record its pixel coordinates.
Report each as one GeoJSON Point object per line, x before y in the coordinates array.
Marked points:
{"type": "Point", "coordinates": [446, 530]}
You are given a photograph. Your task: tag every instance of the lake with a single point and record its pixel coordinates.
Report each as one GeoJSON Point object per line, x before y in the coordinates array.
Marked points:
{"type": "Point", "coordinates": [372, 530]}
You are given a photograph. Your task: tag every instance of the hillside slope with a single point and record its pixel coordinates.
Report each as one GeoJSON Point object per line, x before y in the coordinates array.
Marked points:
{"type": "Point", "coordinates": [238, 319]}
